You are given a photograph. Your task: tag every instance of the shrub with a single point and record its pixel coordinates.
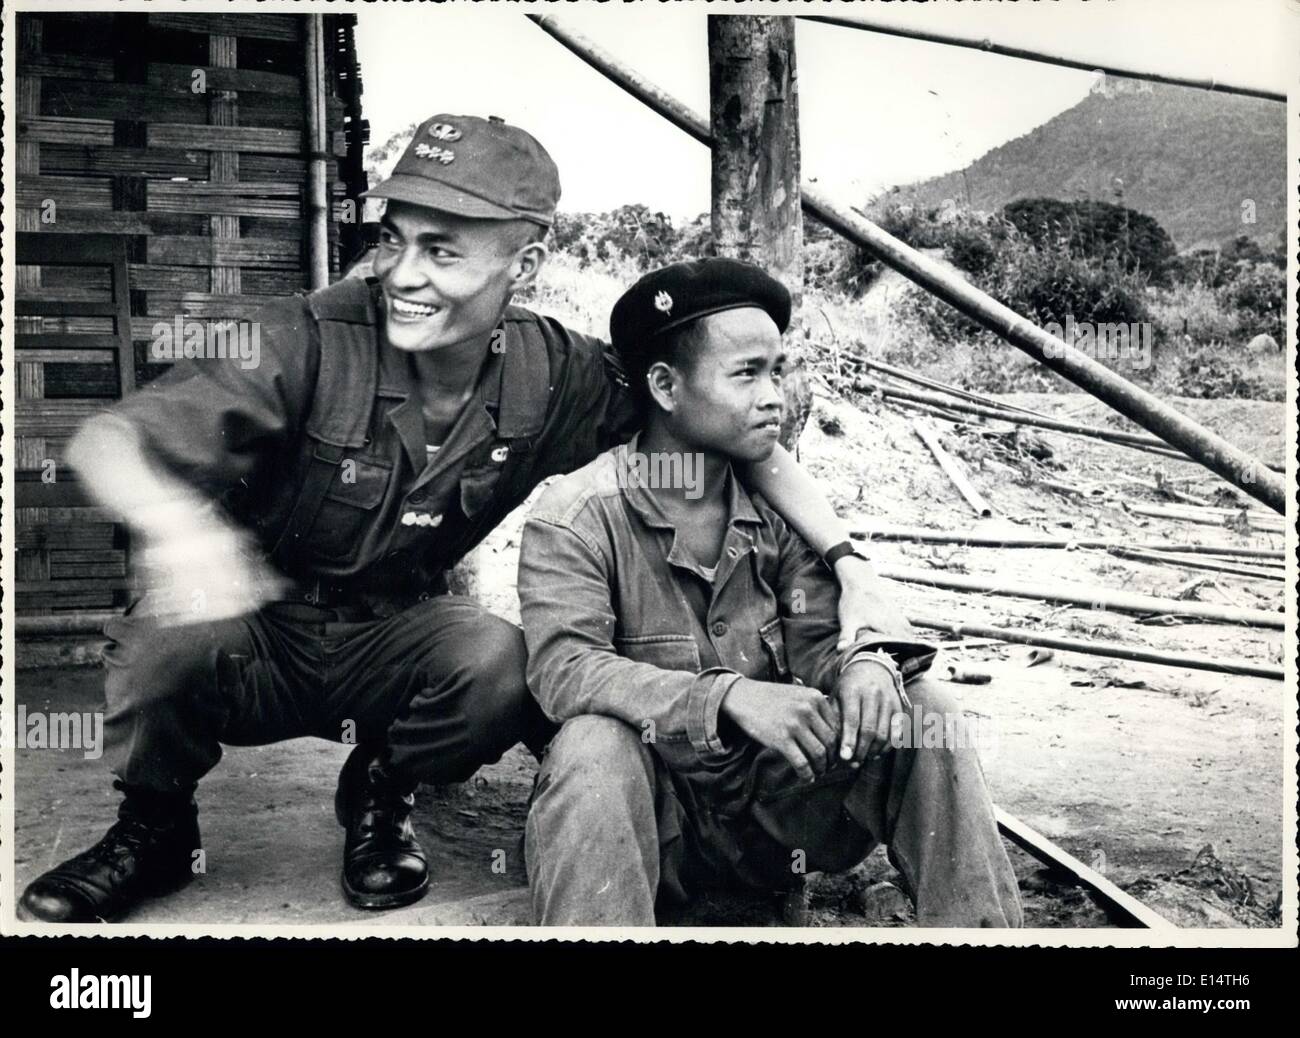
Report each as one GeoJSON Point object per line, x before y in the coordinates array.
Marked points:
{"type": "Point", "coordinates": [1096, 230]}
{"type": "Point", "coordinates": [1257, 294]}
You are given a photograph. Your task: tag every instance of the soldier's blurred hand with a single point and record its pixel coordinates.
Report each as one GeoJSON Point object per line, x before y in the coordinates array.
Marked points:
{"type": "Point", "coordinates": [198, 568]}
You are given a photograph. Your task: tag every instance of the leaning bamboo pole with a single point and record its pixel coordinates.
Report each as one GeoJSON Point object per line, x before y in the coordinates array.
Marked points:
{"type": "Point", "coordinates": [1154, 415]}
{"type": "Point", "coordinates": [1062, 592]}
{"type": "Point", "coordinates": [870, 24]}
{"type": "Point", "coordinates": [1111, 650]}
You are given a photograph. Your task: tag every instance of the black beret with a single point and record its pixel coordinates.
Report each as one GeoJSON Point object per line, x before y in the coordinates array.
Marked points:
{"type": "Point", "coordinates": [672, 296]}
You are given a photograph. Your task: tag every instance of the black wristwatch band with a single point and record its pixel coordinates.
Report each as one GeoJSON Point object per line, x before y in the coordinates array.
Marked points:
{"type": "Point", "coordinates": [839, 551]}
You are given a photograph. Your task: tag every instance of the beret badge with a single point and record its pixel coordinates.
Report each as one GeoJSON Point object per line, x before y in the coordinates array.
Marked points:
{"type": "Point", "coordinates": [664, 302]}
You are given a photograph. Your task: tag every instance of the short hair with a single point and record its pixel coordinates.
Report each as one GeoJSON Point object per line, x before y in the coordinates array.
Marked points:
{"type": "Point", "coordinates": [680, 346]}
{"type": "Point", "coordinates": [518, 232]}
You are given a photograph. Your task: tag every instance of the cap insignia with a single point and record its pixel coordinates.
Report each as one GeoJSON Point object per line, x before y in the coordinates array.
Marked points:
{"type": "Point", "coordinates": [444, 132]}
{"type": "Point", "coordinates": [664, 302]}
{"type": "Point", "coordinates": [428, 151]}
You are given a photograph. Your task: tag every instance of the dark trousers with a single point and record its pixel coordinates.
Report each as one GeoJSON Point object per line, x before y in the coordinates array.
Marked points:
{"type": "Point", "coordinates": [441, 685]}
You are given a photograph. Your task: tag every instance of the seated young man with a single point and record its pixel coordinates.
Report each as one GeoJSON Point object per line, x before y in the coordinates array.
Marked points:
{"type": "Point", "coordinates": [713, 735]}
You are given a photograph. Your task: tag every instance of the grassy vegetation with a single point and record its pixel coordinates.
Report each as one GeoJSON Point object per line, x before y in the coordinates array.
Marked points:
{"type": "Point", "coordinates": [1091, 263]}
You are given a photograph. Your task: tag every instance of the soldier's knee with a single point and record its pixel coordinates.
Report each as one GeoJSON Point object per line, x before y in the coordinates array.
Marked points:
{"type": "Point", "coordinates": [929, 695]}
{"type": "Point", "coordinates": [602, 755]}
{"type": "Point", "coordinates": [146, 661]}
{"type": "Point", "coordinates": [491, 665]}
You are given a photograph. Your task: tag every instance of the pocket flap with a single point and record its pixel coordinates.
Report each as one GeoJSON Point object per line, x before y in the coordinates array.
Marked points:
{"type": "Point", "coordinates": [477, 488]}
{"type": "Point", "coordinates": [772, 635]}
{"type": "Point", "coordinates": [666, 651]}
{"type": "Point", "coordinates": [359, 483]}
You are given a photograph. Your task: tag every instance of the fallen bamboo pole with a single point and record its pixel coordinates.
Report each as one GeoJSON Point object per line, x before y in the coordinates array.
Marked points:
{"type": "Point", "coordinates": [1149, 445]}
{"type": "Point", "coordinates": [1058, 424]}
{"type": "Point", "coordinates": [936, 412]}
{"type": "Point", "coordinates": [986, 45]}
{"type": "Point", "coordinates": [1068, 593]}
{"type": "Point", "coordinates": [931, 383]}
{"type": "Point", "coordinates": [1266, 521]}
{"type": "Point", "coordinates": [953, 416]}
{"type": "Point", "coordinates": [1111, 650]}
{"type": "Point", "coordinates": [1192, 562]}
{"type": "Point", "coordinates": [1125, 906]}
{"type": "Point", "coordinates": [973, 539]}
{"type": "Point", "coordinates": [1153, 414]}
{"type": "Point", "coordinates": [953, 471]}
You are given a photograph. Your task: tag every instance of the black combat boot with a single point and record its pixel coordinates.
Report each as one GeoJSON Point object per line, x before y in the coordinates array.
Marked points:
{"type": "Point", "coordinates": [149, 851]}
{"type": "Point", "coordinates": [383, 864]}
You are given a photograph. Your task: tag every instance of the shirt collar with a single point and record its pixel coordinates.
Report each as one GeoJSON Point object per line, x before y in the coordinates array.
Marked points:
{"type": "Point", "coordinates": [740, 509]}
{"type": "Point", "coordinates": [518, 377]}
{"type": "Point", "coordinates": [514, 388]}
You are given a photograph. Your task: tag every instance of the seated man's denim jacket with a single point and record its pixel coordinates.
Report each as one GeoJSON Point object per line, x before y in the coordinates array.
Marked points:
{"type": "Point", "coordinates": [609, 629]}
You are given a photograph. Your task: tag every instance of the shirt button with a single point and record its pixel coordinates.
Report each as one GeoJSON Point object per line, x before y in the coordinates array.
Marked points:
{"type": "Point", "coordinates": [719, 628]}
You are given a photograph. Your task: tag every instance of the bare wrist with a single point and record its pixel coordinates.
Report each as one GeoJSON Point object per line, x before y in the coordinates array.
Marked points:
{"type": "Point", "coordinates": [853, 567]}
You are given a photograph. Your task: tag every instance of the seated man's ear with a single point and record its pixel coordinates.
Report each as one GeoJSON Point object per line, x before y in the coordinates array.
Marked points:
{"type": "Point", "coordinates": [661, 380]}
{"type": "Point", "coordinates": [527, 264]}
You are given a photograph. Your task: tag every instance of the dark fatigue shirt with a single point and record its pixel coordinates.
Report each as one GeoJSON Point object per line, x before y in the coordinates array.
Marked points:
{"type": "Point", "coordinates": [621, 621]}
{"type": "Point", "coordinates": [242, 436]}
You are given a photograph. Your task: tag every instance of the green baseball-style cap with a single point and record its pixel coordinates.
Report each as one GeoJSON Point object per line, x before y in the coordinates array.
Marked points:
{"type": "Point", "coordinates": [483, 168]}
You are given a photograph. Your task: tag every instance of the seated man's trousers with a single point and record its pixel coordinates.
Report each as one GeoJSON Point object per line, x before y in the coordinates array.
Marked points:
{"type": "Point", "coordinates": [613, 831]}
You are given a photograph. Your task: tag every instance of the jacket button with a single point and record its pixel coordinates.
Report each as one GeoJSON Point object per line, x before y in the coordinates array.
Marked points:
{"type": "Point", "coordinates": [418, 496]}
{"type": "Point", "coordinates": [719, 628]}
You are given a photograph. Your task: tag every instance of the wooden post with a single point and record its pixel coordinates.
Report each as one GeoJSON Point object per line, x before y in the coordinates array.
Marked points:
{"type": "Point", "coordinates": [756, 213]}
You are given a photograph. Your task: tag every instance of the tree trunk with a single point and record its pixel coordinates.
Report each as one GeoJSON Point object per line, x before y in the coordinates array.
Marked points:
{"type": "Point", "coordinates": [756, 215]}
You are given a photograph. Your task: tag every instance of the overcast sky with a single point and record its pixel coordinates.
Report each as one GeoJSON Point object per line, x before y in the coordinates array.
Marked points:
{"type": "Point", "coordinates": [874, 110]}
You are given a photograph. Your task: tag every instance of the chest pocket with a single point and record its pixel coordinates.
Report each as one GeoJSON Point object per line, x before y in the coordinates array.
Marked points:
{"type": "Point", "coordinates": [666, 651]}
{"type": "Point", "coordinates": [349, 506]}
{"type": "Point", "coordinates": [495, 478]}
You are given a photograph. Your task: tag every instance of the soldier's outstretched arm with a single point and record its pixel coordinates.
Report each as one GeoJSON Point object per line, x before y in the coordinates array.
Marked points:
{"type": "Point", "coordinates": [799, 499]}
{"type": "Point", "coordinates": [200, 567]}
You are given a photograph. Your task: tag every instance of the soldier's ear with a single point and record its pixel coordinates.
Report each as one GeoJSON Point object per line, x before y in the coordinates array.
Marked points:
{"type": "Point", "coordinates": [661, 381]}
{"type": "Point", "coordinates": [527, 264]}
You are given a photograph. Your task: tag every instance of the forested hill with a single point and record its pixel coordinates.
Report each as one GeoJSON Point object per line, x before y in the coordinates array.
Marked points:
{"type": "Point", "coordinates": [1190, 158]}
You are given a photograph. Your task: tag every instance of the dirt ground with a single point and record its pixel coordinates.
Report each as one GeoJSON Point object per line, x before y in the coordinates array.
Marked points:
{"type": "Point", "coordinates": [1167, 780]}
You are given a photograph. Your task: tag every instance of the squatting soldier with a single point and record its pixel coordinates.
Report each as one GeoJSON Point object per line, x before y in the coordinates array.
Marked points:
{"type": "Point", "coordinates": [303, 514]}
{"type": "Point", "coordinates": [714, 732]}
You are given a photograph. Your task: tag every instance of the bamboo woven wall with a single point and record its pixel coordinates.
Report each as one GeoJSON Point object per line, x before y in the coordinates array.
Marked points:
{"type": "Point", "coordinates": [206, 190]}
